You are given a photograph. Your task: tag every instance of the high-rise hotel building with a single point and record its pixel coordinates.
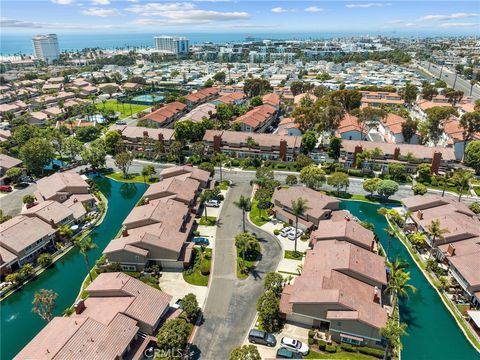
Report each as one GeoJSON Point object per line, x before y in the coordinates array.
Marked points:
{"type": "Point", "coordinates": [45, 47]}
{"type": "Point", "coordinates": [173, 44]}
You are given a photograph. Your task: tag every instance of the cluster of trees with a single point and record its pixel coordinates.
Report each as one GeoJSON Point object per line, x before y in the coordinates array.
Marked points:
{"type": "Point", "coordinates": [268, 304]}
{"type": "Point", "coordinates": [256, 86]}
{"type": "Point", "coordinates": [394, 56]}
{"type": "Point", "coordinates": [266, 182]}
{"type": "Point", "coordinates": [385, 188]}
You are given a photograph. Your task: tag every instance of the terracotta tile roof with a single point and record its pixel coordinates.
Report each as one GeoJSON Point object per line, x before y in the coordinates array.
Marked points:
{"type": "Point", "coordinates": [298, 98]}
{"type": "Point", "coordinates": [419, 151]}
{"type": "Point", "coordinates": [180, 189]}
{"type": "Point", "coordinates": [60, 182]}
{"type": "Point", "coordinates": [49, 211]}
{"type": "Point", "coordinates": [271, 99]}
{"type": "Point", "coordinates": [348, 230]}
{"type": "Point", "coordinates": [257, 116]}
{"type": "Point", "coordinates": [8, 162]}
{"type": "Point", "coordinates": [201, 95]}
{"type": "Point", "coordinates": [200, 112]}
{"type": "Point", "coordinates": [238, 138]}
{"type": "Point", "coordinates": [325, 280]}
{"type": "Point", "coordinates": [349, 123]}
{"type": "Point", "coordinates": [230, 98]}
{"type": "Point", "coordinates": [189, 171]}
{"type": "Point", "coordinates": [469, 267]}
{"type": "Point", "coordinates": [22, 231]}
{"type": "Point", "coordinates": [166, 112]}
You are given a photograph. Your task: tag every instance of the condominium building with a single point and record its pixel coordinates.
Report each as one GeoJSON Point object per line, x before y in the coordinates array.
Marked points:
{"type": "Point", "coordinates": [173, 44]}
{"type": "Point", "coordinates": [45, 47]}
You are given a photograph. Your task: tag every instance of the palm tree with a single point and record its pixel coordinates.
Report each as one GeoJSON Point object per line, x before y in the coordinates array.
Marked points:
{"type": "Point", "coordinates": [406, 215]}
{"type": "Point", "coordinates": [398, 280]}
{"type": "Point", "coordinates": [462, 179]}
{"type": "Point", "coordinates": [244, 203]}
{"type": "Point", "coordinates": [84, 246]}
{"type": "Point", "coordinates": [299, 207]}
{"type": "Point", "coordinates": [446, 176]}
{"type": "Point", "coordinates": [245, 242]}
{"type": "Point", "coordinates": [436, 232]}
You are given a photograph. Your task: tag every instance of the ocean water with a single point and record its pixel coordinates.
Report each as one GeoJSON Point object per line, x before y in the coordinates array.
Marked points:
{"type": "Point", "coordinates": [14, 43]}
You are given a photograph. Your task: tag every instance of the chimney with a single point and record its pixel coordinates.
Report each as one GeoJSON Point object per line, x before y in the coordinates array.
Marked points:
{"type": "Point", "coordinates": [217, 142]}
{"type": "Point", "coordinates": [145, 134]}
{"type": "Point", "coordinates": [160, 137]}
{"type": "Point", "coordinates": [125, 232]}
{"type": "Point", "coordinates": [420, 215]}
{"type": "Point", "coordinates": [283, 150]}
{"type": "Point", "coordinates": [396, 153]}
{"type": "Point", "coordinates": [358, 150]}
{"type": "Point", "coordinates": [451, 250]}
{"type": "Point", "coordinates": [52, 223]}
{"type": "Point", "coordinates": [75, 200]}
{"type": "Point", "coordinates": [146, 201]}
{"type": "Point", "coordinates": [79, 306]}
{"type": "Point", "coordinates": [436, 159]}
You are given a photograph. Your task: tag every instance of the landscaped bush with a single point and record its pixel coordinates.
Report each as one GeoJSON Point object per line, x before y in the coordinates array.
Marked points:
{"type": "Point", "coordinates": [371, 351]}
{"type": "Point", "coordinates": [276, 232]}
{"type": "Point", "coordinates": [196, 233]}
{"type": "Point", "coordinates": [348, 347]}
{"type": "Point", "coordinates": [355, 172]}
{"type": "Point", "coordinates": [205, 269]}
{"type": "Point", "coordinates": [419, 189]}
{"type": "Point", "coordinates": [311, 333]}
{"type": "Point", "coordinates": [331, 348]}
{"type": "Point", "coordinates": [235, 163]}
{"type": "Point", "coordinates": [322, 345]}
{"type": "Point", "coordinates": [310, 341]}
{"type": "Point", "coordinates": [281, 166]}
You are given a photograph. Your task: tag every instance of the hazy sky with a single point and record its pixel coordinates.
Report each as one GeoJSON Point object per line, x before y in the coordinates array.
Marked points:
{"type": "Point", "coordinates": [449, 17]}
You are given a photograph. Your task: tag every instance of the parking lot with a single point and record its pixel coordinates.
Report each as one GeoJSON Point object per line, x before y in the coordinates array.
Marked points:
{"type": "Point", "coordinates": [294, 331]}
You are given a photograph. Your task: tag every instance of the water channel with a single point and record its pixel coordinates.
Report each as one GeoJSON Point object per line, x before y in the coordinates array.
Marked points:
{"type": "Point", "coordinates": [433, 333]}
{"type": "Point", "coordinates": [18, 324]}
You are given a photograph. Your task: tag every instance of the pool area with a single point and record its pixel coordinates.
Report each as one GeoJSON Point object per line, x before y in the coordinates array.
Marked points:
{"type": "Point", "coordinates": [54, 165]}
{"type": "Point", "coordinates": [147, 99]}
{"type": "Point", "coordinates": [19, 325]}
{"type": "Point", "coordinates": [97, 118]}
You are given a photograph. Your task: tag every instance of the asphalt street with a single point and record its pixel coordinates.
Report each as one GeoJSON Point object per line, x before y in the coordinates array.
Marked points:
{"type": "Point", "coordinates": [449, 77]}
{"type": "Point", "coordinates": [11, 204]}
{"type": "Point", "coordinates": [231, 303]}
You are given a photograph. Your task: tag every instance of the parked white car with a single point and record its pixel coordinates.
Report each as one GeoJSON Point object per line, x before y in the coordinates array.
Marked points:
{"type": "Point", "coordinates": [292, 236]}
{"type": "Point", "coordinates": [286, 231]}
{"type": "Point", "coordinates": [213, 203]}
{"type": "Point", "coordinates": [295, 345]}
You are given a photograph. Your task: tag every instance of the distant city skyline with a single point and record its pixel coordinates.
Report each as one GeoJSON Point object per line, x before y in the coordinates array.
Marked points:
{"type": "Point", "coordinates": [63, 16]}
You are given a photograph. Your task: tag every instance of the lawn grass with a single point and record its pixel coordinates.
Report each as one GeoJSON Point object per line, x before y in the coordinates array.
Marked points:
{"type": "Point", "coordinates": [477, 190]}
{"type": "Point", "coordinates": [359, 197]}
{"type": "Point", "coordinates": [339, 355]}
{"type": "Point", "coordinates": [224, 185]}
{"type": "Point", "coordinates": [132, 178]}
{"type": "Point", "coordinates": [258, 217]}
{"type": "Point", "coordinates": [196, 277]}
{"type": "Point", "coordinates": [292, 255]}
{"type": "Point", "coordinates": [124, 110]}
{"type": "Point", "coordinates": [208, 220]}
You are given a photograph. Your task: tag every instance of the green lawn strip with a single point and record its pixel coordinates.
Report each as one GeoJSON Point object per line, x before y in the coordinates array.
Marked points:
{"type": "Point", "coordinates": [292, 255]}
{"type": "Point", "coordinates": [224, 185]}
{"type": "Point", "coordinates": [453, 310]}
{"type": "Point", "coordinates": [477, 190]}
{"type": "Point", "coordinates": [196, 277]}
{"type": "Point", "coordinates": [124, 110]}
{"type": "Point", "coordinates": [339, 355]}
{"type": "Point", "coordinates": [359, 197]}
{"type": "Point", "coordinates": [449, 188]}
{"type": "Point", "coordinates": [256, 216]}
{"type": "Point", "coordinates": [208, 220]}
{"type": "Point", "coordinates": [288, 272]}
{"type": "Point", "coordinates": [132, 178]}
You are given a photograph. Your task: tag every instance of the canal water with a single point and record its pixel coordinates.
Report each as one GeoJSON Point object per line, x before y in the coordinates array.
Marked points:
{"type": "Point", "coordinates": [18, 324]}
{"type": "Point", "coordinates": [433, 333]}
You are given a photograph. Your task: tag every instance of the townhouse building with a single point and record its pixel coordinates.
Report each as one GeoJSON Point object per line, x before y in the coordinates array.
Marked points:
{"type": "Point", "coordinates": [61, 186]}
{"type": "Point", "coordinates": [252, 145]}
{"type": "Point", "coordinates": [200, 97]}
{"type": "Point", "coordinates": [142, 140]}
{"type": "Point", "coordinates": [258, 119]}
{"type": "Point", "coordinates": [379, 98]}
{"type": "Point", "coordinates": [166, 115]}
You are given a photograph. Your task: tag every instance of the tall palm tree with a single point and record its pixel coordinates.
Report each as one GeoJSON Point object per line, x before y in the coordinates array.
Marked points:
{"type": "Point", "coordinates": [84, 246]}
{"type": "Point", "coordinates": [398, 280]}
{"type": "Point", "coordinates": [436, 232]}
{"type": "Point", "coordinates": [206, 196]}
{"type": "Point", "coordinates": [462, 179]}
{"type": "Point", "coordinates": [299, 207]}
{"type": "Point", "coordinates": [244, 204]}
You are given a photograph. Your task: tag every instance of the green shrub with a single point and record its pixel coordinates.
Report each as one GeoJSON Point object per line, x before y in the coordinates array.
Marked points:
{"type": "Point", "coordinates": [331, 348]}
{"type": "Point", "coordinates": [311, 333]}
{"type": "Point", "coordinates": [196, 233]}
{"type": "Point", "coordinates": [235, 163]}
{"type": "Point", "coordinates": [419, 189]}
{"type": "Point", "coordinates": [276, 232]}
{"type": "Point", "coordinates": [378, 353]}
{"type": "Point", "coordinates": [281, 166]}
{"type": "Point", "coordinates": [348, 347]}
{"type": "Point", "coordinates": [355, 172]}
{"type": "Point", "coordinates": [310, 341]}
{"type": "Point", "coordinates": [205, 269]}
{"type": "Point", "coordinates": [434, 181]}
{"type": "Point", "coordinates": [322, 345]}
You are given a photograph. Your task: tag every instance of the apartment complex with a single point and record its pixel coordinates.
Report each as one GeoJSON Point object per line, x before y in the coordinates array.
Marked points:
{"type": "Point", "coordinates": [116, 321]}
{"type": "Point", "coordinates": [171, 44]}
{"type": "Point", "coordinates": [340, 288]}
{"type": "Point", "coordinates": [45, 47]}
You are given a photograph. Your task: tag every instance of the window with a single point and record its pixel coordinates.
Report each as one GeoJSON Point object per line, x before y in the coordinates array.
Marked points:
{"type": "Point", "coordinates": [350, 341]}
{"type": "Point", "coordinates": [129, 268]}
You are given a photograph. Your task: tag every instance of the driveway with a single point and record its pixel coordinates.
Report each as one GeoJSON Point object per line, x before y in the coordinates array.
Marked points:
{"type": "Point", "coordinates": [172, 283]}
{"type": "Point", "coordinates": [231, 303]}
{"type": "Point", "coordinates": [11, 204]}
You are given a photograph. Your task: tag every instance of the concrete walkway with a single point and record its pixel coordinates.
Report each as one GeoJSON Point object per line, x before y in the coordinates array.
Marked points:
{"type": "Point", "coordinates": [231, 303]}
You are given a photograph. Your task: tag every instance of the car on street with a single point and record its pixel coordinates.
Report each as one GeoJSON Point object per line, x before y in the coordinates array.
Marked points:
{"type": "Point", "coordinates": [27, 179]}
{"type": "Point", "coordinates": [262, 337]}
{"type": "Point", "coordinates": [291, 234]}
{"type": "Point", "coordinates": [120, 122]}
{"type": "Point", "coordinates": [22, 185]}
{"type": "Point", "coordinates": [285, 231]}
{"type": "Point", "coordinates": [213, 203]}
{"type": "Point", "coordinates": [5, 188]}
{"type": "Point", "coordinates": [201, 241]}
{"type": "Point", "coordinates": [294, 345]}
{"type": "Point", "coordinates": [284, 353]}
